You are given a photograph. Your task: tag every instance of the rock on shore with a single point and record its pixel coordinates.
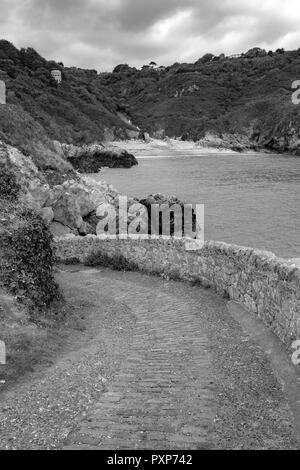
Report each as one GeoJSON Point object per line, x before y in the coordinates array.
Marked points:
{"type": "Point", "coordinates": [177, 220]}
{"type": "Point", "coordinates": [235, 142]}
{"type": "Point", "coordinates": [91, 158]}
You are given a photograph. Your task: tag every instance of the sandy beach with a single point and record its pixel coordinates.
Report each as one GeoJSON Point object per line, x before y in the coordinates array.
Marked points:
{"type": "Point", "coordinates": [165, 148]}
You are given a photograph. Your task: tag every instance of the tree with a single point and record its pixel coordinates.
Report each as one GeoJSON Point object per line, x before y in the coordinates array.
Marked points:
{"type": "Point", "coordinates": [121, 68]}
{"type": "Point", "coordinates": [255, 52]}
{"type": "Point", "coordinates": [207, 58]}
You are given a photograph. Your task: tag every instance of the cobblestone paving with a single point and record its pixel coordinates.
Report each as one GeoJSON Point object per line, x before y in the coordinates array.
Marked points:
{"type": "Point", "coordinates": [163, 396]}
{"type": "Point", "coordinates": [154, 364]}
{"type": "Point", "coordinates": [191, 377]}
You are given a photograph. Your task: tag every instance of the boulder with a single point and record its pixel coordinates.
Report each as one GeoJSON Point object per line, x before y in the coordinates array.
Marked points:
{"type": "Point", "coordinates": [34, 188]}
{"type": "Point", "coordinates": [97, 191]}
{"type": "Point", "coordinates": [132, 134]}
{"type": "Point", "coordinates": [54, 195]}
{"type": "Point", "coordinates": [167, 202]}
{"type": "Point", "coordinates": [47, 215]}
{"type": "Point", "coordinates": [81, 195]}
{"type": "Point", "coordinates": [59, 230]}
{"type": "Point", "coordinates": [159, 134]}
{"type": "Point", "coordinates": [38, 193]}
{"type": "Point", "coordinates": [67, 211]}
{"type": "Point", "coordinates": [92, 220]}
{"type": "Point", "coordinates": [87, 229]}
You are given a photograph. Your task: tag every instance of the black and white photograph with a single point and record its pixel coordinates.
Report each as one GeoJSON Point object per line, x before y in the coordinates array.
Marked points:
{"type": "Point", "coordinates": [149, 228]}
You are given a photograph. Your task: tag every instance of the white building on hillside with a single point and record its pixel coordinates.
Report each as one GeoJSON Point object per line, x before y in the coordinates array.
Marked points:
{"type": "Point", "coordinates": [56, 74]}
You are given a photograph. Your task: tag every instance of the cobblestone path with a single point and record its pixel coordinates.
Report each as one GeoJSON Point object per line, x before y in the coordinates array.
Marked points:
{"type": "Point", "coordinates": [163, 396]}
{"type": "Point", "coordinates": [191, 377]}
{"type": "Point", "coordinates": [153, 364]}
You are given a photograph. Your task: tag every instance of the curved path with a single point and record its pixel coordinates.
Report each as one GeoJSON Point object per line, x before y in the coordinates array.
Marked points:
{"type": "Point", "coordinates": [184, 379]}
{"type": "Point", "coordinates": [163, 396]}
{"type": "Point", "coordinates": [153, 364]}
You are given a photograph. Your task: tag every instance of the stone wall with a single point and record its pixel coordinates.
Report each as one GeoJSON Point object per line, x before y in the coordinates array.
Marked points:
{"type": "Point", "coordinates": [261, 282]}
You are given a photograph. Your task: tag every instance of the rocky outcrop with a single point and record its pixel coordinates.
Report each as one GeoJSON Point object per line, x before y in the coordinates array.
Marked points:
{"type": "Point", "coordinates": [235, 142]}
{"type": "Point", "coordinates": [67, 208]}
{"type": "Point", "coordinates": [219, 96]}
{"type": "Point", "coordinates": [34, 189]}
{"type": "Point", "coordinates": [155, 227]}
{"type": "Point", "coordinates": [67, 211]}
{"type": "Point", "coordinates": [47, 215]}
{"type": "Point", "coordinates": [285, 138]}
{"type": "Point", "coordinates": [91, 158]}
{"type": "Point", "coordinates": [159, 134]}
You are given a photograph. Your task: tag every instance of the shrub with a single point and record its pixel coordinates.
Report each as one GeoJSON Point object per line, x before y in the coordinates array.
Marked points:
{"type": "Point", "coordinates": [9, 188]}
{"type": "Point", "coordinates": [26, 257]}
{"type": "Point", "coordinates": [118, 262]}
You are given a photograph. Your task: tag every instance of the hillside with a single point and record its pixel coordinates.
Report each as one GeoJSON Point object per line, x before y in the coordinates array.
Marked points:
{"type": "Point", "coordinates": [79, 110]}
{"type": "Point", "coordinates": [248, 95]}
{"type": "Point", "coordinates": [236, 102]}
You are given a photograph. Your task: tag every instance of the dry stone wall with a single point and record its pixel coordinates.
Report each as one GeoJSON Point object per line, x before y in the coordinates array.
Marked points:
{"type": "Point", "coordinates": [264, 284]}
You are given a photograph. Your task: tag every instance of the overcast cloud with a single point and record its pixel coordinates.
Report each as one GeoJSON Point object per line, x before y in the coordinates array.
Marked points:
{"type": "Point", "coordinates": [103, 33]}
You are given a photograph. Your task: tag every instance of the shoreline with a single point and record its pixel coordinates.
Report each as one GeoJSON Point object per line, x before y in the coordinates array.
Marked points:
{"type": "Point", "coordinates": [156, 147]}
{"type": "Point", "coordinates": [170, 148]}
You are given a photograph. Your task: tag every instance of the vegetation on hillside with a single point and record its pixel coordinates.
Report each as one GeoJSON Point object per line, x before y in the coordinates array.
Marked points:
{"type": "Point", "coordinates": [250, 94]}
{"type": "Point", "coordinates": [247, 95]}
{"type": "Point", "coordinates": [76, 111]}
{"type": "Point", "coordinates": [19, 129]}
{"type": "Point", "coordinates": [26, 257]}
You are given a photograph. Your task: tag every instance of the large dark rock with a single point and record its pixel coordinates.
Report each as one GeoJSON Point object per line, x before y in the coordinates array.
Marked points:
{"type": "Point", "coordinates": [91, 160]}
{"type": "Point", "coordinates": [155, 227]}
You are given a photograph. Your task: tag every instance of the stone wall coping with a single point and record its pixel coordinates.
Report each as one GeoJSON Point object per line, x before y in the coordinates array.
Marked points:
{"type": "Point", "coordinates": [253, 254]}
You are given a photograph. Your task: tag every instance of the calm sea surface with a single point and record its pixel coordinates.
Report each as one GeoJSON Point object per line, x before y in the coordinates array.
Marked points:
{"type": "Point", "coordinates": [251, 200]}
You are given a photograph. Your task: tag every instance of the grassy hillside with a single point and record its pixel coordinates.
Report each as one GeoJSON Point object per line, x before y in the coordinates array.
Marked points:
{"type": "Point", "coordinates": [249, 95]}
{"type": "Point", "coordinates": [76, 111]}
{"type": "Point", "coordinates": [19, 129]}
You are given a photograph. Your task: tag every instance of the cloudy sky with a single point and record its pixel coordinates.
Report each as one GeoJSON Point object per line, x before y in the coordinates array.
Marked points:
{"type": "Point", "coordinates": [103, 33]}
